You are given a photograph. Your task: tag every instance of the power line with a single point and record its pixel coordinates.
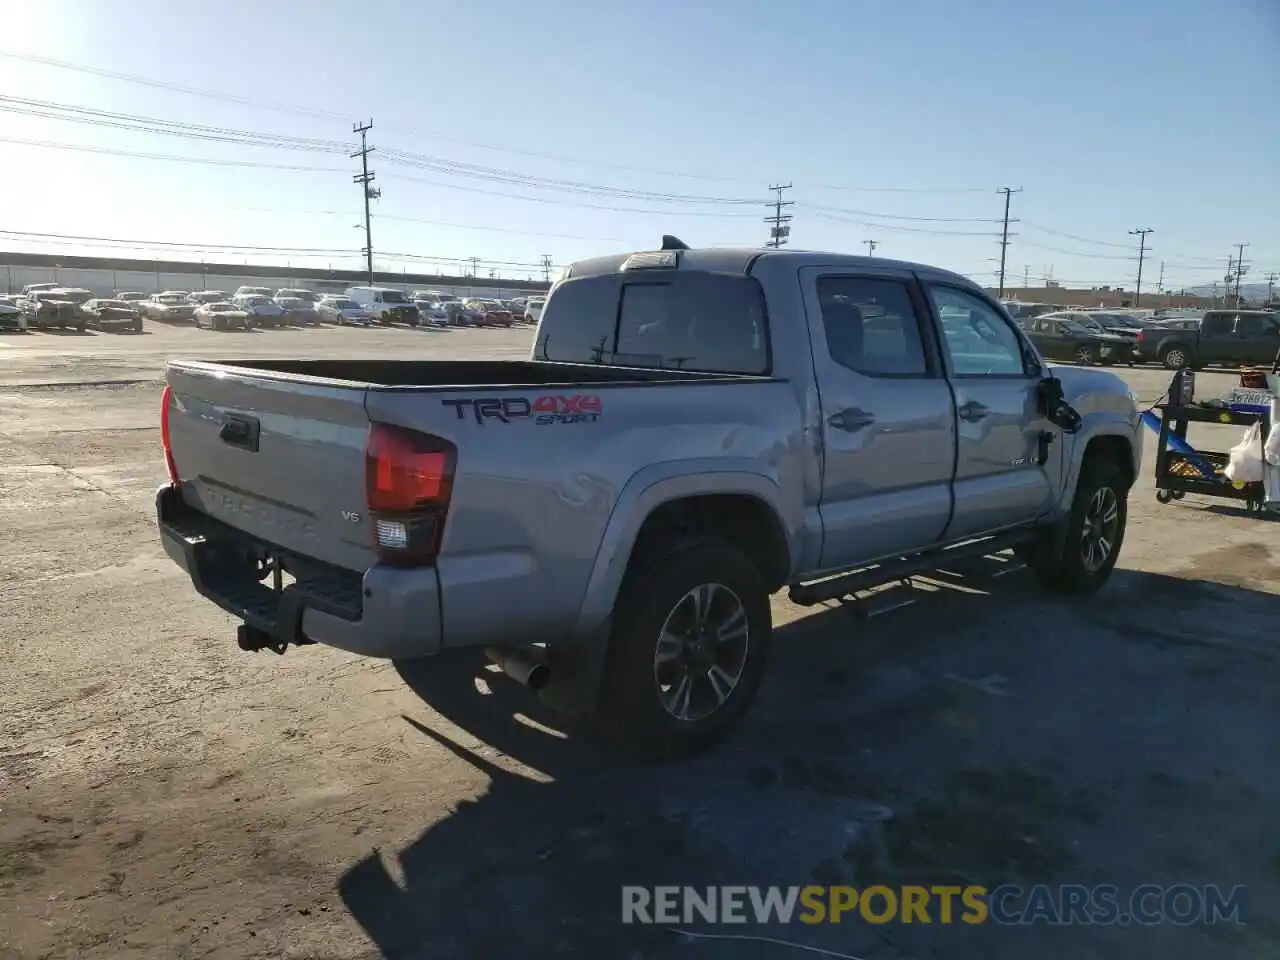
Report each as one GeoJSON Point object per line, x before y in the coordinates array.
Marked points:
{"type": "Point", "coordinates": [1141, 233]}
{"type": "Point", "coordinates": [897, 229]}
{"type": "Point", "coordinates": [315, 114]}
{"type": "Point", "coordinates": [1004, 231]}
{"type": "Point", "coordinates": [894, 216]}
{"type": "Point", "coordinates": [780, 231]}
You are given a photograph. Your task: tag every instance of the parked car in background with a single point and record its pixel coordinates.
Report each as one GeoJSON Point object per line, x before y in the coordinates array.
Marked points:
{"type": "Point", "coordinates": [1220, 336]}
{"type": "Point", "coordinates": [1059, 336]}
{"type": "Point", "coordinates": [533, 309]}
{"type": "Point", "coordinates": [387, 304]}
{"type": "Point", "coordinates": [113, 315]}
{"type": "Point", "coordinates": [198, 297]}
{"type": "Point", "coordinates": [247, 291]}
{"type": "Point", "coordinates": [264, 311]}
{"type": "Point", "coordinates": [12, 319]}
{"type": "Point", "coordinates": [223, 315]}
{"type": "Point", "coordinates": [298, 293]}
{"type": "Point", "coordinates": [343, 311]}
{"type": "Point", "coordinates": [172, 306]}
{"type": "Point", "coordinates": [432, 312]}
{"type": "Point", "coordinates": [490, 312]}
{"type": "Point", "coordinates": [131, 296]}
{"type": "Point", "coordinates": [55, 307]}
{"type": "Point", "coordinates": [1026, 311]}
{"type": "Point", "coordinates": [31, 288]}
{"type": "Point", "coordinates": [297, 310]}
{"type": "Point", "coordinates": [458, 314]}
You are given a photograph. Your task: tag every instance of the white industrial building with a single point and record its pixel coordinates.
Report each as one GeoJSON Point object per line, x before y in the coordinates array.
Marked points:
{"type": "Point", "coordinates": [104, 276]}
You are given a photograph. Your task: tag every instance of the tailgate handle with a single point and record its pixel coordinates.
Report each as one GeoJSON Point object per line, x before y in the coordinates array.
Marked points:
{"type": "Point", "coordinates": [240, 432]}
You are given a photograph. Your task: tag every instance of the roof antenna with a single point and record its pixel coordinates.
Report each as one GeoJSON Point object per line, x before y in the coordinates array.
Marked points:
{"type": "Point", "coordinates": [673, 243]}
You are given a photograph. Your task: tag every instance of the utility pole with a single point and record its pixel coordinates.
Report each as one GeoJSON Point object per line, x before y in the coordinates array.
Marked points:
{"type": "Point", "coordinates": [1160, 284]}
{"type": "Point", "coordinates": [1240, 269]}
{"type": "Point", "coordinates": [365, 178]}
{"type": "Point", "coordinates": [475, 265]}
{"type": "Point", "coordinates": [1141, 234]}
{"type": "Point", "coordinates": [546, 267]}
{"type": "Point", "coordinates": [1004, 232]}
{"type": "Point", "coordinates": [1026, 277]}
{"type": "Point", "coordinates": [1271, 285]}
{"type": "Point", "coordinates": [871, 247]}
{"type": "Point", "coordinates": [780, 231]}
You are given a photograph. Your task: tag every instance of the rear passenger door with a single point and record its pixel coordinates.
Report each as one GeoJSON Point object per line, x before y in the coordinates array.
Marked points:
{"type": "Point", "coordinates": [1259, 338]}
{"type": "Point", "coordinates": [1217, 340]}
{"type": "Point", "coordinates": [888, 427]}
{"type": "Point", "coordinates": [999, 481]}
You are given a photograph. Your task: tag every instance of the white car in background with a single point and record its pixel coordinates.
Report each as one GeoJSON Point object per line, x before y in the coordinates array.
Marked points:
{"type": "Point", "coordinates": [533, 309]}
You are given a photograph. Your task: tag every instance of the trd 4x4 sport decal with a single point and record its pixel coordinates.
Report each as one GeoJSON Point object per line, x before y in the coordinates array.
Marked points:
{"type": "Point", "coordinates": [543, 410]}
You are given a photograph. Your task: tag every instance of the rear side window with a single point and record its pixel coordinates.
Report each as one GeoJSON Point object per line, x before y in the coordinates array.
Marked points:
{"type": "Point", "coordinates": [1217, 324]}
{"type": "Point", "coordinates": [682, 320]}
{"type": "Point", "coordinates": [871, 326]}
{"type": "Point", "coordinates": [1252, 325]}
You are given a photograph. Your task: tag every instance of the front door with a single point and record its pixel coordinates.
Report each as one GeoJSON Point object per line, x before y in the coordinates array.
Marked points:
{"type": "Point", "coordinates": [999, 480]}
{"type": "Point", "coordinates": [888, 429]}
{"type": "Point", "coordinates": [1217, 341]}
{"type": "Point", "coordinates": [1259, 338]}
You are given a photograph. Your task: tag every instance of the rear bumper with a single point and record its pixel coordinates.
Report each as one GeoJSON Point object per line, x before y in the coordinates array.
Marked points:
{"type": "Point", "coordinates": [384, 612]}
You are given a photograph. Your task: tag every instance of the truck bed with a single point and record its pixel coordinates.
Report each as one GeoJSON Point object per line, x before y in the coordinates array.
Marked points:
{"type": "Point", "coordinates": [450, 374]}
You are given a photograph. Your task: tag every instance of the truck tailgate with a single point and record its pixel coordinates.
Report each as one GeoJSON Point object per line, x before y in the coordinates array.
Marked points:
{"type": "Point", "coordinates": [280, 459]}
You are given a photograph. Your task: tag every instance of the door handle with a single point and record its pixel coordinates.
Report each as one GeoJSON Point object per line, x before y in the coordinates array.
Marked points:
{"type": "Point", "coordinates": [850, 419]}
{"type": "Point", "coordinates": [973, 411]}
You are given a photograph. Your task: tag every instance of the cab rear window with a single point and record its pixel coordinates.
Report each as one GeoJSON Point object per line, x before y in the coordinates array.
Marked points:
{"type": "Point", "coordinates": [677, 320]}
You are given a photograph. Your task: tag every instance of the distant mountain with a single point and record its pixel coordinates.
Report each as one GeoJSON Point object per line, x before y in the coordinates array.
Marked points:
{"type": "Point", "coordinates": [1250, 291]}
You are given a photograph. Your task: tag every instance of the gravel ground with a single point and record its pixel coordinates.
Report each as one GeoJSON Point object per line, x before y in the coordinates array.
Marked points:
{"type": "Point", "coordinates": [164, 795]}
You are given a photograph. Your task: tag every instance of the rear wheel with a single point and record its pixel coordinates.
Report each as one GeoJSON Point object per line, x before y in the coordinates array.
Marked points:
{"type": "Point", "coordinates": [1175, 357]}
{"type": "Point", "coordinates": [1086, 354]}
{"type": "Point", "coordinates": [1079, 558]}
{"type": "Point", "coordinates": [688, 649]}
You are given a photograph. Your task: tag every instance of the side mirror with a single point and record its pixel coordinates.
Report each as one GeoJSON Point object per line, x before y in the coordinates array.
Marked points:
{"type": "Point", "coordinates": [1054, 406]}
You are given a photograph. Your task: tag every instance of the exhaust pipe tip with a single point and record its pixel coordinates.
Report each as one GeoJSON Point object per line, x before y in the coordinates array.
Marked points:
{"type": "Point", "coordinates": [522, 665]}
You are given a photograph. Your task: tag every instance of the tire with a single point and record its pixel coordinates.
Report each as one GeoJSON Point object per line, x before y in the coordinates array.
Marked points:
{"type": "Point", "coordinates": [1175, 357]}
{"type": "Point", "coordinates": [1086, 354]}
{"type": "Point", "coordinates": [642, 710]}
{"type": "Point", "coordinates": [1164, 496]}
{"type": "Point", "coordinates": [137, 326]}
{"type": "Point", "coordinates": [1071, 565]}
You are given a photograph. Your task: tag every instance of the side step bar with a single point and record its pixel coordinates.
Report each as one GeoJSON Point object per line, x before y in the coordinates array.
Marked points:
{"type": "Point", "coordinates": [841, 585]}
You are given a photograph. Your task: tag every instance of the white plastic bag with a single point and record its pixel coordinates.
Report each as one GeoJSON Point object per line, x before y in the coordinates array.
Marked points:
{"type": "Point", "coordinates": [1245, 464]}
{"type": "Point", "coordinates": [1272, 452]}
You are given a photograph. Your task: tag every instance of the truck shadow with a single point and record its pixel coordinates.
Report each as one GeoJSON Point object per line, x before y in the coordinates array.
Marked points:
{"type": "Point", "coordinates": [983, 696]}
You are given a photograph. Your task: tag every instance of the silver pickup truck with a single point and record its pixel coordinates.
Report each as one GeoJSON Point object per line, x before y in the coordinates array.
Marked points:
{"type": "Point", "coordinates": [694, 431]}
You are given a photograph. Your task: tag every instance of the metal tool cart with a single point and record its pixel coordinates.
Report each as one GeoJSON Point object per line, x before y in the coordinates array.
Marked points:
{"type": "Point", "coordinates": [1182, 469]}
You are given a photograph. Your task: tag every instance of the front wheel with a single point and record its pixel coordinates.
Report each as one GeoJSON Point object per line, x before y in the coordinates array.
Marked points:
{"type": "Point", "coordinates": [1078, 558]}
{"type": "Point", "coordinates": [688, 650]}
{"type": "Point", "coordinates": [1086, 354]}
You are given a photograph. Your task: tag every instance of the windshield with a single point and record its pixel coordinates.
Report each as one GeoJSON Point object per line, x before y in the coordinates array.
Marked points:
{"type": "Point", "coordinates": [117, 304]}
{"type": "Point", "coordinates": [344, 304]}
{"type": "Point", "coordinates": [170, 299]}
{"type": "Point", "coordinates": [393, 296]}
{"type": "Point", "coordinates": [1073, 326]}
{"type": "Point", "coordinates": [257, 301]}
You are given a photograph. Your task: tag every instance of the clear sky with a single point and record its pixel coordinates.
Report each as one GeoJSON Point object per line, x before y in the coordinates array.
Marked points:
{"type": "Point", "coordinates": [896, 122]}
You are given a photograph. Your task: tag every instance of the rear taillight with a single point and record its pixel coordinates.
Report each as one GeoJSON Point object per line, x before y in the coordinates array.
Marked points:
{"type": "Point", "coordinates": [166, 401]}
{"type": "Point", "coordinates": [1142, 335]}
{"type": "Point", "coordinates": [408, 481]}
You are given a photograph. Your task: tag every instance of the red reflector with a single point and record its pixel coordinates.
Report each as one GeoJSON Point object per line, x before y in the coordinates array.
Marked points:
{"type": "Point", "coordinates": [406, 470]}
{"type": "Point", "coordinates": [166, 401]}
